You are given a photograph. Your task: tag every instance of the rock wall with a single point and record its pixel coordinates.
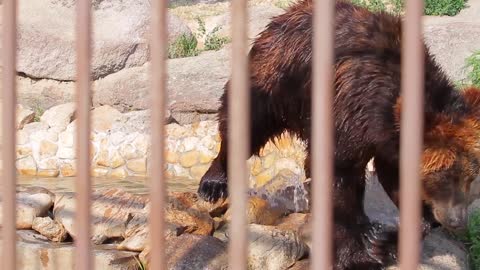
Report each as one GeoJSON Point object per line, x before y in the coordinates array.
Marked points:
{"type": "Point", "coordinates": [121, 146]}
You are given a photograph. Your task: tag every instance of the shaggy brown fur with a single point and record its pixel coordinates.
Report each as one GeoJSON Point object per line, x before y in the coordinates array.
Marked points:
{"type": "Point", "coordinates": [367, 112]}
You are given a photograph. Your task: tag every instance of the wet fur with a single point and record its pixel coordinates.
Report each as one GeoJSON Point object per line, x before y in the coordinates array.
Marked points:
{"type": "Point", "coordinates": [366, 109]}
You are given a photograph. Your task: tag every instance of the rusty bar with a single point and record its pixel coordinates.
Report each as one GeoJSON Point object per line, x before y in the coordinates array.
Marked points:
{"type": "Point", "coordinates": [159, 90]}
{"type": "Point", "coordinates": [239, 136]}
{"type": "Point", "coordinates": [322, 134]}
{"type": "Point", "coordinates": [411, 135]}
{"type": "Point", "coordinates": [83, 256]}
{"type": "Point", "coordinates": [8, 128]}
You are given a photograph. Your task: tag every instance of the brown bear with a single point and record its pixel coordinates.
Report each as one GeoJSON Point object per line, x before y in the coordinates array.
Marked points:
{"type": "Point", "coordinates": [366, 108]}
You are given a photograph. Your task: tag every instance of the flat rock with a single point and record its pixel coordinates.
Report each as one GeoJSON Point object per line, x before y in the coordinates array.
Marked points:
{"type": "Point", "coordinates": [34, 251]}
{"type": "Point", "coordinates": [190, 251]}
{"type": "Point", "coordinates": [271, 248]}
{"type": "Point", "coordinates": [111, 210]}
{"type": "Point", "coordinates": [193, 90]}
{"type": "Point", "coordinates": [120, 37]}
{"type": "Point", "coordinates": [258, 17]}
{"type": "Point", "coordinates": [119, 215]}
{"type": "Point", "coordinates": [452, 41]}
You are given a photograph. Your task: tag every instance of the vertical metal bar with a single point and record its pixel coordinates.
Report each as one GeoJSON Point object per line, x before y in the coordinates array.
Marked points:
{"type": "Point", "coordinates": [9, 52]}
{"type": "Point", "coordinates": [158, 186]}
{"type": "Point", "coordinates": [83, 257]}
{"type": "Point", "coordinates": [239, 136]}
{"type": "Point", "coordinates": [411, 138]}
{"type": "Point", "coordinates": [322, 134]}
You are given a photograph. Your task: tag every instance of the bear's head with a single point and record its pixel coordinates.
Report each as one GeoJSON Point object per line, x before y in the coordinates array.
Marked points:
{"type": "Point", "coordinates": [451, 161]}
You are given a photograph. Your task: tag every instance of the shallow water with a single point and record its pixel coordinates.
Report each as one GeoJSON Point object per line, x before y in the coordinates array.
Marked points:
{"type": "Point", "coordinates": [135, 185]}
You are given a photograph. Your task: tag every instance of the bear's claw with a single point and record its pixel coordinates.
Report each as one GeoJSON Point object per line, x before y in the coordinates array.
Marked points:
{"type": "Point", "coordinates": [381, 243]}
{"type": "Point", "coordinates": [212, 190]}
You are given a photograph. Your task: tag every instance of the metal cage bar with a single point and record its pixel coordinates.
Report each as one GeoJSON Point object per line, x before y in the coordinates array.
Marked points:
{"type": "Point", "coordinates": [411, 135]}
{"type": "Point", "coordinates": [9, 97]}
{"type": "Point", "coordinates": [322, 134]}
{"type": "Point", "coordinates": [239, 136]}
{"type": "Point", "coordinates": [83, 246]}
{"type": "Point", "coordinates": [158, 91]}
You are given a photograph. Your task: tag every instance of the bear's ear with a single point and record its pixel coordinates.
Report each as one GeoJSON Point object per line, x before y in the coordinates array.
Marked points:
{"type": "Point", "coordinates": [437, 159]}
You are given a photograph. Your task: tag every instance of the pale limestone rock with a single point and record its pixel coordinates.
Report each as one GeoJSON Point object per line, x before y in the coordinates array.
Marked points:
{"type": "Point", "coordinates": [59, 116]}
{"type": "Point", "coordinates": [189, 159]}
{"type": "Point", "coordinates": [103, 118]}
{"type": "Point", "coordinates": [30, 206]}
{"type": "Point", "coordinates": [24, 116]}
{"type": "Point", "coordinates": [49, 228]}
{"type": "Point", "coordinates": [27, 166]}
{"type": "Point", "coordinates": [137, 165]}
{"type": "Point", "coordinates": [47, 149]}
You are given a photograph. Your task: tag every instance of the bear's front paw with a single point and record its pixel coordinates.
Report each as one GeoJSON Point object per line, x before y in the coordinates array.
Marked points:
{"type": "Point", "coordinates": [211, 190]}
{"type": "Point", "coordinates": [381, 243]}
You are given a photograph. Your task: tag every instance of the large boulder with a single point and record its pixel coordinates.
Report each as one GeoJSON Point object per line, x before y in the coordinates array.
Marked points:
{"type": "Point", "coordinates": [452, 41]}
{"type": "Point", "coordinates": [120, 37]}
{"type": "Point", "coordinates": [195, 85]}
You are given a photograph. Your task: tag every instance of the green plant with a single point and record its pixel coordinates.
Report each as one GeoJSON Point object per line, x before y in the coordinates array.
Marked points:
{"type": "Point", "coordinates": [443, 7]}
{"type": "Point", "coordinates": [184, 46]}
{"type": "Point", "coordinates": [212, 40]}
{"type": "Point", "coordinates": [473, 66]}
{"type": "Point", "coordinates": [283, 4]}
{"type": "Point", "coordinates": [140, 264]}
{"type": "Point", "coordinates": [474, 239]}
{"type": "Point", "coordinates": [372, 5]}
{"type": "Point", "coordinates": [398, 6]}
{"type": "Point", "coordinates": [38, 113]}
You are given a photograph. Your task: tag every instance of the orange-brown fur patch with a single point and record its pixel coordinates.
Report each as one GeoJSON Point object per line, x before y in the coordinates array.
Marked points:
{"type": "Point", "coordinates": [446, 138]}
{"type": "Point", "coordinates": [436, 159]}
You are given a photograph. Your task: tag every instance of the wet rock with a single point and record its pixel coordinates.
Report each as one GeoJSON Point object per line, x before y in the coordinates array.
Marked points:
{"type": "Point", "coordinates": [120, 215]}
{"type": "Point", "coordinates": [32, 203]}
{"type": "Point", "coordinates": [285, 191]}
{"type": "Point", "coordinates": [111, 210]}
{"type": "Point", "coordinates": [301, 265]}
{"type": "Point", "coordinates": [441, 251]}
{"type": "Point", "coordinates": [24, 116]}
{"type": "Point", "coordinates": [190, 251]}
{"type": "Point", "coordinates": [190, 201]}
{"type": "Point", "coordinates": [177, 223]}
{"type": "Point", "coordinates": [271, 248]}
{"type": "Point", "coordinates": [59, 116]}
{"type": "Point", "coordinates": [49, 228]}
{"type": "Point", "coordinates": [259, 211]}
{"type": "Point", "coordinates": [37, 252]}
{"type": "Point", "coordinates": [293, 222]}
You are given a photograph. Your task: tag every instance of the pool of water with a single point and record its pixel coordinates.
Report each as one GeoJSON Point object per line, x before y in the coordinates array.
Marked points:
{"type": "Point", "coordinates": [135, 185]}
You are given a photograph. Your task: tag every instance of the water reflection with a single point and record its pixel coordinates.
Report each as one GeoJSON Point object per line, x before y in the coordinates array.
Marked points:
{"type": "Point", "coordinates": [135, 185]}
